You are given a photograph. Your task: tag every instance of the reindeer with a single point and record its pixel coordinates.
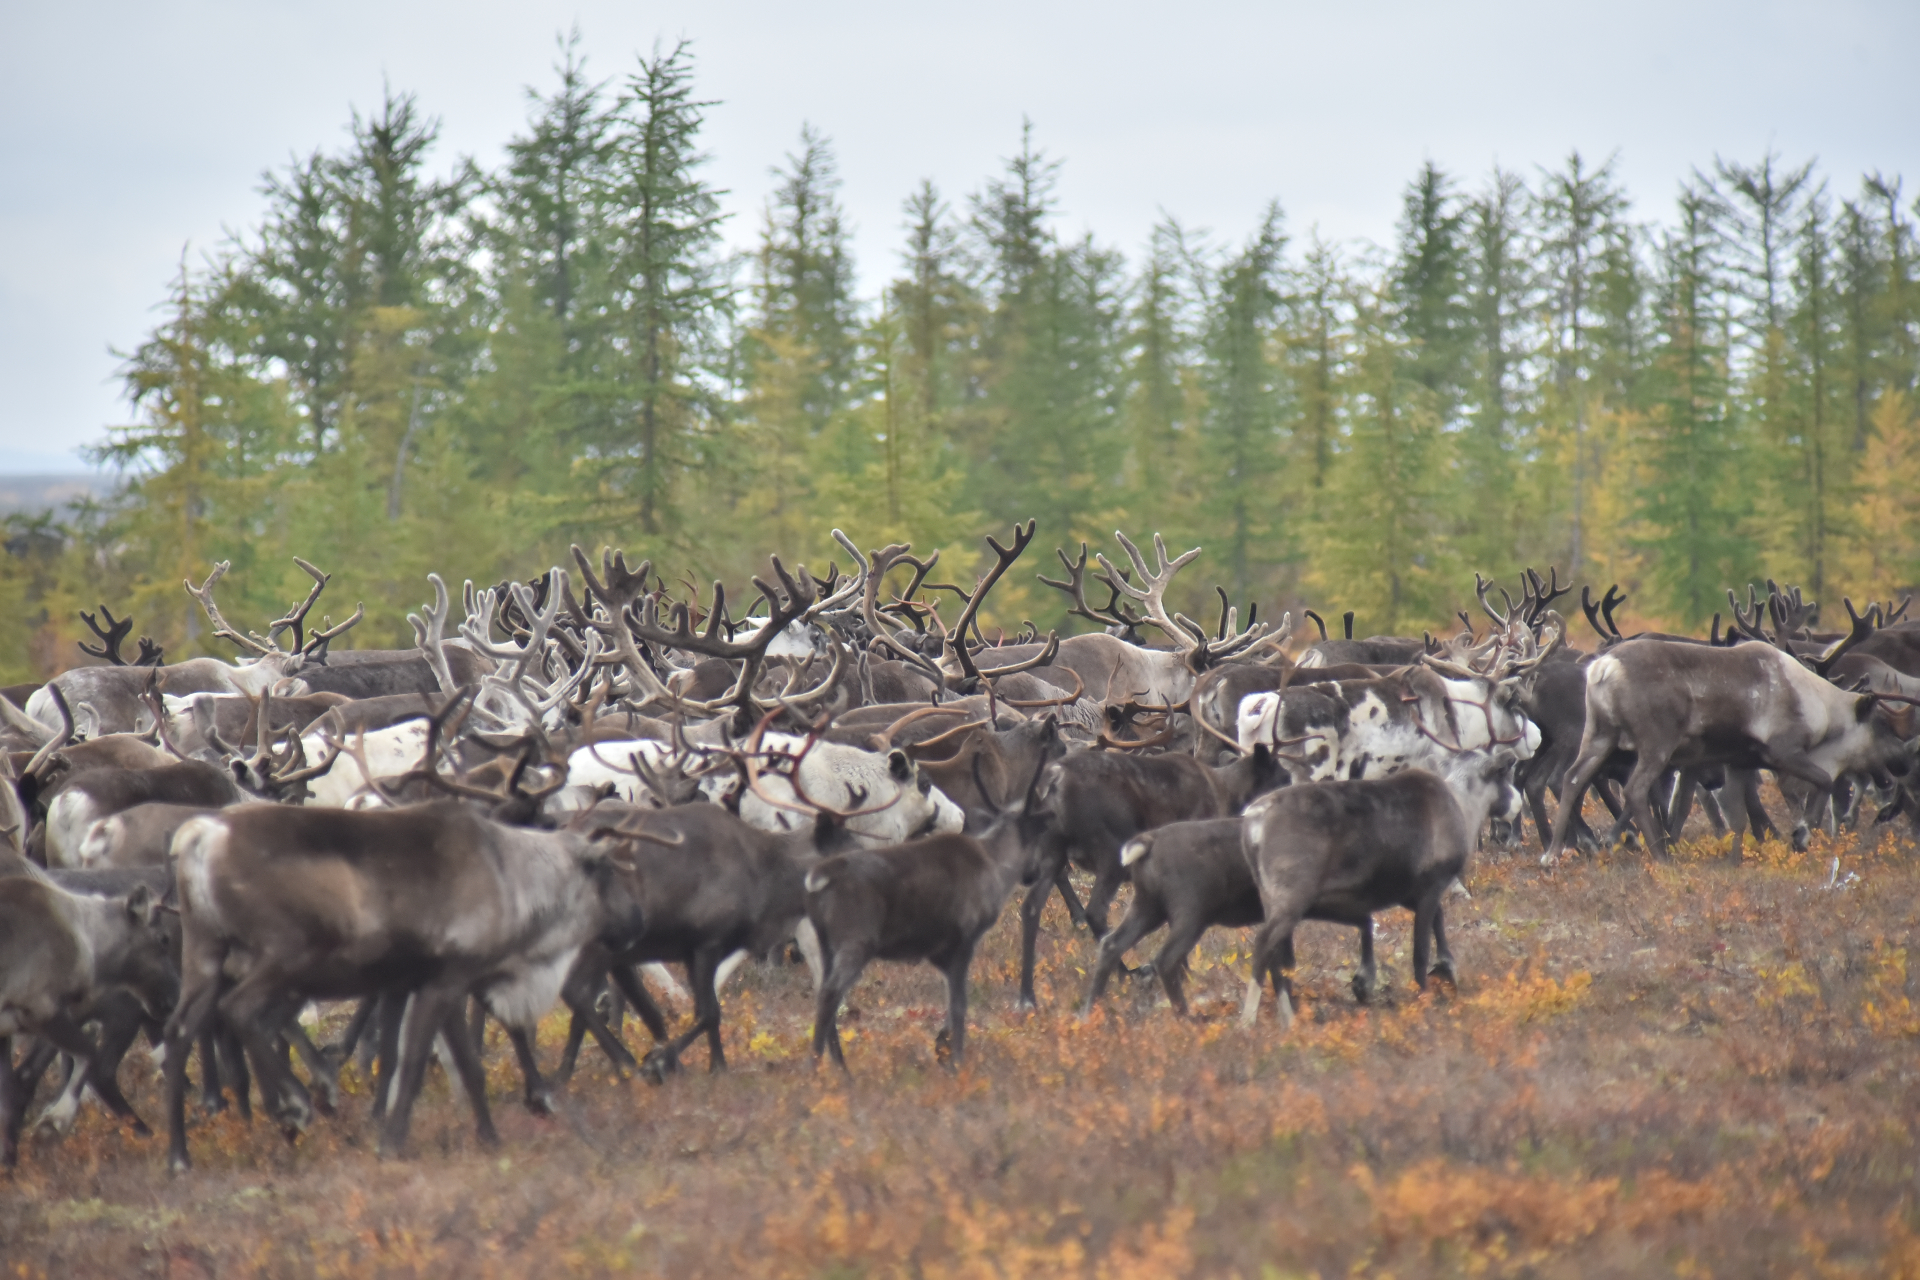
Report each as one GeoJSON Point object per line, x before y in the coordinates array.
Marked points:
{"type": "Point", "coordinates": [709, 887]}
{"type": "Point", "coordinates": [1750, 706]}
{"type": "Point", "coordinates": [926, 900]}
{"type": "Point", "coordinates": [57, 951]}
{"type": "Point", "coordinates": [1093, 802]}
{"type": "Point", "coordinates": [428, 900]}
{"type": "Point", "coordinates": [1344, 850]}
{"type": "Point", "coordinates": [1115, 671]}
{"type": "Point", "coordinates": [117, 694]}
{"type": "Point", "coordinates": [76, 802]}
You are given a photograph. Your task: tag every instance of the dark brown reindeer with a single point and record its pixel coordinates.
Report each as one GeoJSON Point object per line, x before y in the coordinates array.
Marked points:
{"type": "Point", "coordinates": [1190, 877]}
{"type": "Point", "coordinates": [708, 886]}
{"type": "Point", "coordinates": [1093, 802]}
{"type": "Point", "coordinates": [929, 900]}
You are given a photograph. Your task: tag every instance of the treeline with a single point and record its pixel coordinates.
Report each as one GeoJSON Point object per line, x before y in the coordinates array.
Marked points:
{"type": "Point", "coordinates": [404, 368]}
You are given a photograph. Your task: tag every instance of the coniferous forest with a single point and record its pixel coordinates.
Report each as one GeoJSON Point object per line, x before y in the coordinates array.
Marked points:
{"type": "Point", "coordinates": [412, 362]}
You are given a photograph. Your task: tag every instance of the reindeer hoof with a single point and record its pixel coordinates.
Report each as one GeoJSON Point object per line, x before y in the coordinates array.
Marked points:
{"type": "Point", "coordinates": [1362, 989]}
{"type": "Point", "coordinates": [1443, 973]}
{"type": "Point", "coordinates": [540, 1102]}
{"type": "Point", "coordinates": [658, 1065]}
{"type": "Point", "coordinates": [178, 1164]}
{"type": "Point", "coordinates": [1801, 839]}
{"type": "Point", "coordinates": [943, 1048]}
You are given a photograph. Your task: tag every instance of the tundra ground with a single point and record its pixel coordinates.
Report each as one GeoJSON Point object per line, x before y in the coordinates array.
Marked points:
{"type": "Point", "coordinates": [1689, 1069]}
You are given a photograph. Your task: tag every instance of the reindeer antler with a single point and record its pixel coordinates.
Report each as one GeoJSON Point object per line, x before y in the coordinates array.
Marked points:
{"type": "Point", "coordinates": [110, 638]}
{"type": "Point", "coordinates": [204, 594]}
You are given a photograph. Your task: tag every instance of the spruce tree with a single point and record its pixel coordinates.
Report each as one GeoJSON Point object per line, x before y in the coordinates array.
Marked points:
{"type": "Point", "coordinates": [1163, 397]}
{"type": "Point", "coordinates": [1429, 280]}
{"type": "Point", "coordinates": [671, 297]}
{"type": "Point", "coordinates": [1245, 397]}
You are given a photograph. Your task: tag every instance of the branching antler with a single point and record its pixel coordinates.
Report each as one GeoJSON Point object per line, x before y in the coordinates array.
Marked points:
{"type": "Point", "coordinates": [221, 628]}
{"type": "Point", "coordinates": [1862, 628]}
{"type": "Point", "coordinates": [296, 615]}
{"type": "Point", "coordinates": [1075, 586]}
{"type": "Point", "coordinates": [618, 589]}
{"type": "Point", "coordinates": [116, 631]}
{"type": "Point", "coordinates": [881, 563]}
{"type": "Point", "coordinates": [1185, 632]}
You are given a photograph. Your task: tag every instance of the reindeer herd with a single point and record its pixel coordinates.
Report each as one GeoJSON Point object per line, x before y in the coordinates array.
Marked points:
{"type": "Point", "coordinates": [566, 789]}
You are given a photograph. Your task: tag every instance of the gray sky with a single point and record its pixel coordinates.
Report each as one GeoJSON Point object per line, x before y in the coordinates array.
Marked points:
{"type": "Point", "coordinates": [129, 131]}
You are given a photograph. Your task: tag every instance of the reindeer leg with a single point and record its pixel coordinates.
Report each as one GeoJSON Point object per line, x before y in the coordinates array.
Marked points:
{"type": "Point", "coordinates": [473, 1077]}
{"type": "Point", "coordinates": [245, 1009]}
{"type": "Point", "coordinates": [582, 990]}
{"type": "Point", "coordinates": [356, 1027]}
{"type": "Point", "coordinates": [1075, 912]}
{"type": "Point", "coordinates": [628, 979]}
{"type": "Point", "coordinates": [1538, 786]}
{"type": "Point", "coordinates": [1170, 962]}
{"type": "Point", "coordinates": [1106, 883]}
{"type": "Point", "coordinates": [1593, 757]}
{"type": "Point", "coordinates": [119, 1027]}
{"type": "Point", "coordinates": [1759, 821]}
{"type": "Point", "coordinates": [1800, 766]}
{"type": "Point", "coordinates": [430, 1008]}
{"type": "Point", "coordinates": [1367, 980]}
{"type": "Point", "coordinates": [325, 1080]}
{"type": "Point", "coordinates": [842, 973]}
{"type": "Point", "coordinates": [587, 1018]}
{"type": "Point", "coordinates": [1443, 960]}
{"type": "Point", "coordinates": [1423, 918]}
{"type": "Point", "coordinates": [1030, 908]}
{"type": "Point", "coordinates": [199, 998]}
{"type": "Point", "coordinates": [1647, 770]}
{"type": "Point", "coordinates": [538, 1093]}
{"type": "Point", "coordinates": [12, 1107]}
{"type": "Point", "coordinates": [393, 1008]}
{"type": "Point", "coordinates": [1142, 918]}
{"type": "Point", "coordinates": [1274, 941]}
{"type": "Point", "coordinates": [953, 1037]}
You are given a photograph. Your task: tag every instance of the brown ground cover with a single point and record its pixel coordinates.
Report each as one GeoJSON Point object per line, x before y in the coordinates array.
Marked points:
{"type": "Point", "coordinates": [1688, 1069]}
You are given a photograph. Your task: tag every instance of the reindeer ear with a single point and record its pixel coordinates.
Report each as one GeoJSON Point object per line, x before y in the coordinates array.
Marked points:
{"type": "Point", "coordinates": [900, 765]}
{"type": "Point", "coordinates": [141, 906]}
{"type": "Point", "coordinates": [1863, 707]}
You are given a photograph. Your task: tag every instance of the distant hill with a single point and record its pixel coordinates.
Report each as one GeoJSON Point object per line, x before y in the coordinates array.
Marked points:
{"type": "Point", "coordinates": [32, 494]}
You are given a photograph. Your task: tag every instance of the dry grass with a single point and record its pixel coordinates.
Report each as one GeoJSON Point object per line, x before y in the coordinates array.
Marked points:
{"type": "Point", "coordinates": [1689, 1069]}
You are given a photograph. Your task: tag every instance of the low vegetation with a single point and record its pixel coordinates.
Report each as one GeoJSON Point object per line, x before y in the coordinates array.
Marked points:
{"type": "Point", "coordinates": [1687, 1068]}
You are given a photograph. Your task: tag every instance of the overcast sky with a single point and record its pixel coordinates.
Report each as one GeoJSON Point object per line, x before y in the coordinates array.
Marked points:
{"type": "Point", "coordinates": [132, 131]}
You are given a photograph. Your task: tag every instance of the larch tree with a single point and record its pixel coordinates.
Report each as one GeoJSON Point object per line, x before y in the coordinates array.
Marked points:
{"type": "Point", "coordinates": [1691, 509]}
{"type": "Point", "coordinates": [1498, 293]}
